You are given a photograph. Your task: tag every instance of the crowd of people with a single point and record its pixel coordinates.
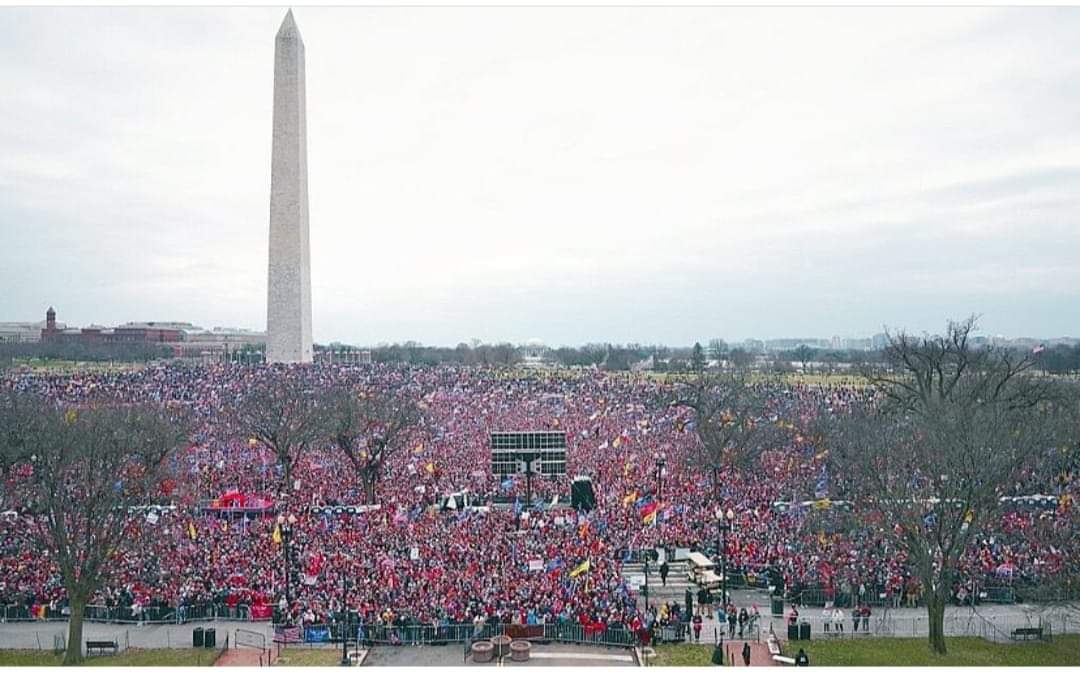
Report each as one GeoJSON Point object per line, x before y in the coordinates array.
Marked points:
{"type": "Point", "coordinates": [411, 560]}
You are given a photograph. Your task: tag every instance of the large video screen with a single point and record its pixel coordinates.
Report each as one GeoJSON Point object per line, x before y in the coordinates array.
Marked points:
{"type": "Point", "coordinates": [510, 448]}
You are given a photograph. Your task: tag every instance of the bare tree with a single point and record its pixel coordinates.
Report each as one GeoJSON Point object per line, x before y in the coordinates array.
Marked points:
{"type": "Point", "coordinates": [951, 428]}
{"type": "Point", "coordinates": [80, 470]}
{"type": "Point", "coordinates": [730, 418]}
{"type": "Point", "coordinates": [283, 414]}
{"type": "Point", "coordinates": [804, 354]}
{"type": "Point", "coordinates": [366, 427]}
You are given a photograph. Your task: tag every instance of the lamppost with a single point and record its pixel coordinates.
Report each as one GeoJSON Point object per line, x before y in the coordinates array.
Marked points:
{"type": "Point", "coordinates": [285, 524]}
{"type": "Point", "coordinates": [345, 621]}
{"type": "Point", "coordinates": [659, 480]}
{"type": "Point", "coordinates": [646, 591]}
{"type": "Point", "coordinates": [723, 525]}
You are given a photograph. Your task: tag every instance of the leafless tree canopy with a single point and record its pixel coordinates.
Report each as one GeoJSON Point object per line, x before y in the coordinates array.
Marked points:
{"type": "Point", "coordinates": [80, 469]}
{"type": "Point", "coordinates": [285, 416]}
{"type": "Point", "coordinates": [367, 426]}
{"type": "Point", "coordinates": [952, 427]}
{"type": "Point", "coordinates": [730, 417]}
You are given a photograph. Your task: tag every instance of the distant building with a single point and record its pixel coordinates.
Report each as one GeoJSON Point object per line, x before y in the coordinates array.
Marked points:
{"type": "Point", "coordinates": [21, 333]}
{"type": "Point", "coordinates": [185, 339]}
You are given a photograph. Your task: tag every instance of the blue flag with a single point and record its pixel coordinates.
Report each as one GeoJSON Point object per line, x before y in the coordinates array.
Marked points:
{"type": "Point", "coordinates": [821, 488]}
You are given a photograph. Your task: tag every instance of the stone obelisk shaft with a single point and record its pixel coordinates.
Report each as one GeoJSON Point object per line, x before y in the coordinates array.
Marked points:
{"type": "Point", "coordinates": [288, 317]}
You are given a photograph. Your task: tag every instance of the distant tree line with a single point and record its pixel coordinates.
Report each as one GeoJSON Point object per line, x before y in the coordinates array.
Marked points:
{"type": "Point", "coordinates": [1060, 360]}
{"type": "Point", "coordinates": [79, 351]}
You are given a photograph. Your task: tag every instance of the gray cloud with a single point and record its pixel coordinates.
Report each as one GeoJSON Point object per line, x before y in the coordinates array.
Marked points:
{"type": "Point", "coordinates": [650, 174]}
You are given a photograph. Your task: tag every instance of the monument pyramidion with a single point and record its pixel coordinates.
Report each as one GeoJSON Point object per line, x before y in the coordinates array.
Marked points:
{"type": "Point", "coordinates": [288, 311]}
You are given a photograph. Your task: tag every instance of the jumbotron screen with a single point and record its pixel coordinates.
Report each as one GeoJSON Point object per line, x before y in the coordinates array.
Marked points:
{"type": "Point", "coordinates": [510, 448]}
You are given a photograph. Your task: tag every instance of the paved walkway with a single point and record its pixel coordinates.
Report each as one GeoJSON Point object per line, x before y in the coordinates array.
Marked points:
{"type": "Point", "coordinates": [244, 656]}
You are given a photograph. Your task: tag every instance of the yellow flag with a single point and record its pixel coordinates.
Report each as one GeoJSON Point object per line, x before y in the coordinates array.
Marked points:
{"type": "Point", "coordinates": [191, 531]}
{"type": "Point", "coordinates": [419, 448]}
{"type": "Point", "coordinates": [253, 442]}
{"type": "Point", "coordinates": [430, 467]}
{"type": "Point", "coordinates": [629, 498]}
{"type": "Point", "coordinates": [580, 569]}
{"type": "Point", "coordinates": [617, 442]}
{"type": "Point", "coordinates": [277, 533]}
{"type": "Point", "coordinates": [823, 504]}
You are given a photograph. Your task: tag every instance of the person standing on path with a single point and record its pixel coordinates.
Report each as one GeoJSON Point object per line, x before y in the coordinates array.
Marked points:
{"type": "Point", "coordinates": [664, 569]}
{"type": "Point", "coordinates": [697, 628]}
{"type": "Point", "coordinates": [746, 654]}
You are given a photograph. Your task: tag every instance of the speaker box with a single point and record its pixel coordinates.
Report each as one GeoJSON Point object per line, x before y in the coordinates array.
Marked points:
{"type": "Point", "coordinates": [581, 494]}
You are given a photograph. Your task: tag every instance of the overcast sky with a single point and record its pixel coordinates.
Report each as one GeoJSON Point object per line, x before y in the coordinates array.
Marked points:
{"type": "Point", "coordinates": [651, 174]}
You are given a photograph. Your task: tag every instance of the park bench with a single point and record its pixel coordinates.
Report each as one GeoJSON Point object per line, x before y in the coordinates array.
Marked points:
{"type": "Point", "coordinates": [1027, 633]}
{"type": "Point", "coordinates": [101, 646]}
{"type": "Point", "coordinates": [774, 647]}
{"type": "Point", "coordinates": [786, 661]}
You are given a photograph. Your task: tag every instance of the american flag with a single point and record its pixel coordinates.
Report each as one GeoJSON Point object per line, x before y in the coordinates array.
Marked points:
{"type": "Point", "coordinates": [288, 634]}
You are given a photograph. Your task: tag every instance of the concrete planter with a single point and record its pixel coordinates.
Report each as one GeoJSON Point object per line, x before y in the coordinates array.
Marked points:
{"type": "Point", "coordinates": [519, 650]}
{"type": "Point", "coordinates": [482, 652]}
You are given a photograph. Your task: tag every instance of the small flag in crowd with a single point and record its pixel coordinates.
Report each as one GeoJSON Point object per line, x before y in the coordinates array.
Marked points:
{"type": "Point", "coordinates": [277, 534]}
{"type": "Point", "coordinates": [629, 498]}
{"type": "Point", "coordinates": [580, 569]}
{"type": "Point", "coordinates": [821, 488]}
{"type": "Point", "coordinates": [191, 531]}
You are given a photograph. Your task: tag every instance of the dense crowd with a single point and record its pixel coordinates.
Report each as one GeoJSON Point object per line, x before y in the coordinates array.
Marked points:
{"type": "Point", "coordinates": [412, 559]}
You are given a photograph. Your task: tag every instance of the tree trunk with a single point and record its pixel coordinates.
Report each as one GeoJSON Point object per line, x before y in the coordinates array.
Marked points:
{"type": "Point", "coordinates": [935, 607]}
{"type": "Point", "coordinates": [73, 655]}
{"type": "Point", "coordinates": [369, 480]}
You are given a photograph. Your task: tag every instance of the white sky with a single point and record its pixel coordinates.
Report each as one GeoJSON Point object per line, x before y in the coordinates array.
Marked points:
{"type": "Point", "coordinates": [581, 174]}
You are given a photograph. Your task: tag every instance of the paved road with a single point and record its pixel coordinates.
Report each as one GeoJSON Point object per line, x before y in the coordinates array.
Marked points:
{"type": "Point", "coordinates": [555, 654]}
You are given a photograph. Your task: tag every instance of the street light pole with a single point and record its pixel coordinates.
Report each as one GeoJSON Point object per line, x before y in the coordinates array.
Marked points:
{"type": "Point", "coordinates": [345, 624]}
{"type": "Point", "coordinates": [646, 584]}
{"type": "Point", "coordinates": [285, 524]}
{"type": "Point", "coordinates": [659, 480]}
{"type": "Point", "coordinates": [723, 524]}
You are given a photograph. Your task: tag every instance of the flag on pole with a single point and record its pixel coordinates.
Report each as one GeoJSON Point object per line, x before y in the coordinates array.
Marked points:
{"type": "Point", "coordinates": [629, 498]}
{"type": "Point", "coordinates": [277, 534]}
{"type": "Point", "coordinates": [191, 531]}
{"type": "Point", "coordinates": [580, 569]}
{"type": "Point", "coordinates": [821, 488]}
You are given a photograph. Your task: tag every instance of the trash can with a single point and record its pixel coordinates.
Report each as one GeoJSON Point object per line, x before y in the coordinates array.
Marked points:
{"type": "Point", "coordinates": [804, 631]}
{"type": "Point", "coordinates": [210, 638]}
{"type": "Point", "coordinates": [777, 606]}
{"type": "Point", "coordinates": [718, 655]}
{"type": "Point", "coordinates": [197, 636]}
{"type": "Point", "coordinates": [792, 631]}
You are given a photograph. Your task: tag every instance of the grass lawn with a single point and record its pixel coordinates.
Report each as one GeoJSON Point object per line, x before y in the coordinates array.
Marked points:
{"type": "Point", "coordinates": [303, 656]}
{"type": "Point", "coordinates": [683, 654]}
{"type": "Point", "coordinates": [1063, 651]}
{"type": "Point", "coordinates": [199, 657]}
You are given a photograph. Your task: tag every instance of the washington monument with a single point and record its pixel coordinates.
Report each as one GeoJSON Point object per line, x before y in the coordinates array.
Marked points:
{"type": "Point", "coordinates": [288, 310]}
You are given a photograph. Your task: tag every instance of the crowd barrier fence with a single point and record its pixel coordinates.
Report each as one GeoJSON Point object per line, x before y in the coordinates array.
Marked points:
{"type": "Point", "coordinates": [384, 634]}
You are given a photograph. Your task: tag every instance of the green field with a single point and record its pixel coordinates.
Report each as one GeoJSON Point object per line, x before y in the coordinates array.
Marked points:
{"type": "Point", "coordinates": [67, 367]}
{"type": "Point", "coordinates": [197, 657]}
{"type": "Point", "coordinates": [296, 656]}
{"type": "Point", "coordinates": [1063, 651]}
